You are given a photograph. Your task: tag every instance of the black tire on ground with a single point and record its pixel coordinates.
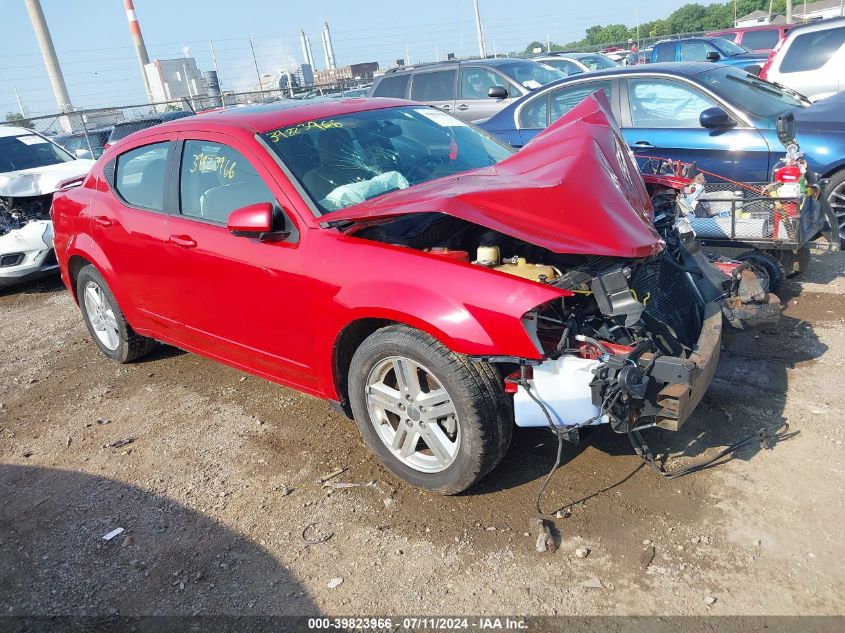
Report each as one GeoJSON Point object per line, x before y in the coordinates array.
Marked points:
{"type": "Point", "coordinates": [131, 346]}
{"type": "Point", "coordinates": [834, 229]}
{"type": "Point", "coordinates": [484, 411]}
{"type": "Point", "coordinates": [771, 269]}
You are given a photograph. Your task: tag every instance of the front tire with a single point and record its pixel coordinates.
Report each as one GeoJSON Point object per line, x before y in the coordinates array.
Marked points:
{"type": "Point", "coordinates": [770, 270]}
{"type": "Point", "coordinates": [105, 321]}
{"type": "Point", "coordinates": [432, 417]}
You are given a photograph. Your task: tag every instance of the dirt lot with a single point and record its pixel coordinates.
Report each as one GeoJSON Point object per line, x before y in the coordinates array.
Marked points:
{"type": "Point", "coordinates": [220, 481]}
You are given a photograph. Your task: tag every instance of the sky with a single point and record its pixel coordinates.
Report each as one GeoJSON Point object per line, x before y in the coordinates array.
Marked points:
{"type": "Point", "coordinates": [95, 50]}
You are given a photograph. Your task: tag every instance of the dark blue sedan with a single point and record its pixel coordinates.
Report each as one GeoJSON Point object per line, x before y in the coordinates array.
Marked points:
{"type": "Point", "coordinates": [709, 49]}
{"type": "Point", "coordinates": [720, 117]}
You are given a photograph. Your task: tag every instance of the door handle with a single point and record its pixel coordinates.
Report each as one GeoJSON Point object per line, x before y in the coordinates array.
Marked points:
{"type": "Point", "coordinates": [643, 145]}
{"type": "Point", "coordinates": [463, 107]}
{"type": "Point", "coordinates": [445, 107]}
{"type": "Point", "coordinates": [102, 220]}
{"type": "Point", "coordinates": [185, 241]}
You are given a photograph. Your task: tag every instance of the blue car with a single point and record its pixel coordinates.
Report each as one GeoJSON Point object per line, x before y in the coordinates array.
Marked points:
{"type": "Point", "coordinates": [708, 49]}
{"type": "Point", "coordinates": [720, 117]}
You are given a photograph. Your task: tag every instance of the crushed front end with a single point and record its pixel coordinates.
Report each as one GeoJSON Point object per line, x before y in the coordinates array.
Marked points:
{"type": "Point", "coordinates": [26, 239]}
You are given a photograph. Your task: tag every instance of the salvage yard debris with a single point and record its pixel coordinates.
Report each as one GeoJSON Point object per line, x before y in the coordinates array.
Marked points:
{"type": "Point", "coordinates": [113, 533]}
{"type": "Point", "coordinates": [119, 443]}
{"type": "Point", "coordinates": [545, 541]}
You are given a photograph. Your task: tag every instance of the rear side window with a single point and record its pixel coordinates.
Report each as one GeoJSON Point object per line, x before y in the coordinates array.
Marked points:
{"type": "Point", "coordinates": [435, 86]}
{"type": "Point", "coordinates": [140, 174]}
{"type": "Point", "coordinates": [215, 180]}
{"type": "Point", "coordinates": [731, 37]}
{"type": "Point", "coordinates": [664, 52]}
{"type": "Point", "coordinates": [394, 87]}
{"type": "Point", "coordinates": [811, 51]}
{"type": "Point", "coordinates": [760, 40]}
{"type": "Point", "coordinates": [564, 99]}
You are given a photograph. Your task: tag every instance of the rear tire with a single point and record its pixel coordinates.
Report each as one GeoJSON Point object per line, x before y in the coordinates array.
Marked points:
{"type": "Point", "coordinates": [772, 272]}
{"type": "Point", "coordinates": [105, 321]}
{"type": "Point", "coordinates": [441, 397]}
{"type": "Point", "coordinates": [835, 195]}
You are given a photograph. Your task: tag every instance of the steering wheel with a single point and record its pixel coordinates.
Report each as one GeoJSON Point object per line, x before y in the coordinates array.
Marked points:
{"type": "Point", "coordinates": [419, 164]}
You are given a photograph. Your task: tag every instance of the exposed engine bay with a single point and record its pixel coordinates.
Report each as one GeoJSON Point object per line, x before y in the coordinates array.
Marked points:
{"type": "Point", "coordinates": [633, 343]}
{"type": "Point", "coordinates": [17, 212]}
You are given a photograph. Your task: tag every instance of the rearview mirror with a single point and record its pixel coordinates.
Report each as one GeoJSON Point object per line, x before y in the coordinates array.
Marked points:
{"type": "Point", "coordinates": [715, 119]}
{"type": "Point", "coordinates": [251, 221]}
{"type": "Point", "coordinates": [713, 56]}
{"type": "Point", "coordinates": [498, 92]}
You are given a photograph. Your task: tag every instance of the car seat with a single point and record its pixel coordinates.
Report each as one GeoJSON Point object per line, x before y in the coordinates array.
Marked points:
{"type": "Point", "coordinates": [340, 164]}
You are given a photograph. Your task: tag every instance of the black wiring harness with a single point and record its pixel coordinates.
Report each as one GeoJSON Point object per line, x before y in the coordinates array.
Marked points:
{"type": "Point", "coordinates": [776, 432]}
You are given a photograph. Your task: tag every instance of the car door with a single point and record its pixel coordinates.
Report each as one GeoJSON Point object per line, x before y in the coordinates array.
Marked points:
{"type": "Point", "coordinates": [128, 224]}
{"type": "Point", "coordinates": [547, 107]}
{"type": "Point", "coordinates": [473, 103]}
{"type": "Point", "coordinates": [436, 87]}
{"type": "Point", "coordinates": [660, 118]}
{"type": "Point", "coordinates": [244, 299]}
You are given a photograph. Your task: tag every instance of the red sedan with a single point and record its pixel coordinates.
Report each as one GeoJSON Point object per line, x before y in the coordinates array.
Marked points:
{"type": "Point", "coordinates": [432, 283]}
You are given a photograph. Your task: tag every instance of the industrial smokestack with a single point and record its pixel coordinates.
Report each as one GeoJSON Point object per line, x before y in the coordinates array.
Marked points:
{"type": "Point", "coordinates": [308, 58]}
{"type": "Point", "coordinates": [140, 47]}
{"type": "Point", "coordinates": [45, 43]}
{"type": "Point", "coordinates": [327, 46]}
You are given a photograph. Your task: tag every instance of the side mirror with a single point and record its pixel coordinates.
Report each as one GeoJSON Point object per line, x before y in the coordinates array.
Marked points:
{"type": "Point", "coordinates": [713, 56]}
{"type": "Point", "coordinates": [715, 119]}
{"type": "Point", "coordinates": [251, 221]}
{"type": "Point", "coordinates": [498, 92]}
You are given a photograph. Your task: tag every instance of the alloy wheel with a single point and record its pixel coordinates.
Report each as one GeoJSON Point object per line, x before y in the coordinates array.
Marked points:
{"type": "Point", "coordinates": [837, 203]}
{"type": "Point", "coordinates": [101, 316]}
{"type": "Point", "coordinates": [413, 414]}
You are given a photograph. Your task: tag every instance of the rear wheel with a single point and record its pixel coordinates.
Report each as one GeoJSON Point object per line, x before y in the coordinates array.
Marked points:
{"type": "Point", "coordinates": [769, 269]}
{"type": "Point", "coordinates": [105, 321]}
{"type": "Point", "coordinates": [432, 417]}
{"type": "Point", "coordinates": [835, 193]}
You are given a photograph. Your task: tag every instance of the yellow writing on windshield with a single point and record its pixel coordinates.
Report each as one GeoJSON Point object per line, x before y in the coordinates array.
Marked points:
{"type": "Point", "coordinates": [275, 135]}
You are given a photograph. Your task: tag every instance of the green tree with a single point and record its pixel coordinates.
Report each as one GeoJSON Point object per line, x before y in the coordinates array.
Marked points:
{"type": "Point", "coordinates": [16, 118]}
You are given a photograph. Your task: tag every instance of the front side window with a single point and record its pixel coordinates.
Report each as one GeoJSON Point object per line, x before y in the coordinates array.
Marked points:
{"type": "Point", "coordinates": [663, 103]}
{"type": "Point", "coordinates": [29, 151]}
{"type": "Point", "coordinates": [139, 176]}
{"type": "Point", "coordinates": [355, 157]}
{"type": "Point", "coordinates": [564, 99]}
{"type": "Point", "coordinates": [395, 87]}
{"type": "Point", "coordinates": [475, 82]}
{"type": "Point", "coordinates": [695, 51]}
{"type": "Point", "coordinates": [435, 86]}
{"type": "Point", "coordinates": [215, 179]}
{"type": "Point", "coordinates": [731, 37]}
{"type": "Point", "coordinates": [811, 51]}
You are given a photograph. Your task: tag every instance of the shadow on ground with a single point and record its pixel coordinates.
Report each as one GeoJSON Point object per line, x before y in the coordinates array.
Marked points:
{"type": "Point", "coordinates": [169, 561]}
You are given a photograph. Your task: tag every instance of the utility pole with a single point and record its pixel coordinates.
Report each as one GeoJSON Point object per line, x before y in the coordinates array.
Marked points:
{"type": "Point", "coordinates": [20, 104]}
{"type": "Point", "coordinates": [789, 11]}
{"type": "Point", "coordinates": [255, 61]}
{"type": "Point", "coordinates": [51, 61]}
{"type": "Point", "coordinates": [140, 47]}
{"type": "Point", "coordinates": [479, 29]}
{"type": "Point", "coordinates": [770, 11]}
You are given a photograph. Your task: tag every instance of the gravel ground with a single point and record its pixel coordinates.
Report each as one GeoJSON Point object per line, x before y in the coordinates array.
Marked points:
{"type": "Point", "coordinates": [219, 479]}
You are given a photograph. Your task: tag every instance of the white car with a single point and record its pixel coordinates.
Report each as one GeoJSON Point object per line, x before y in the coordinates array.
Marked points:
{"type": "Point", "coordinates": [810, 59]}
{"type": "Point", "coordinates": [31, 169]}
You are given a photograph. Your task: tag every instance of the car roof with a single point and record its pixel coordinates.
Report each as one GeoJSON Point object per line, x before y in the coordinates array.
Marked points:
{"type": "Point", "coordinates": [678, 68]}
{"type": "Point", "coordinates": [13, 130]}
{"type": "Point", "coordinates": [492, 61]}
{"type": "Point", "coordinates": [743, 29]}
{"type": "Point", "coordinates": [269, 116]}
{"type": "Point", "coordinates": [821, 25]}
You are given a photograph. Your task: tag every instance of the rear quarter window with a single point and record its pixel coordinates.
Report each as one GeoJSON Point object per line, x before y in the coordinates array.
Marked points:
{"type": "Point", "coordinates": [395, 87]}
{"type": "Point", "coordinates": [811, 51]}
{"type": "Point", "coordinates": [760, 40]}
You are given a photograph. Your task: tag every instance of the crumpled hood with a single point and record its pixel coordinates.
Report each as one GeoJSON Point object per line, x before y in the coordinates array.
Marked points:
{"type": "Point", "coordinates": [573, 189]}
{"type": "Point", "coordinates": [39, 181]}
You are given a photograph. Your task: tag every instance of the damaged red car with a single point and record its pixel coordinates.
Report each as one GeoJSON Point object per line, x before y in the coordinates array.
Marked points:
{"type": "Point", "coordinates": [429, 281]}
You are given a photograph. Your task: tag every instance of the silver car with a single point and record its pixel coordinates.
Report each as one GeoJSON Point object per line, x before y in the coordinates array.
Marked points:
{"type": "Point", "coordinates": [472, 90]}
{"type": "Point", "coordinates": [811, 59]}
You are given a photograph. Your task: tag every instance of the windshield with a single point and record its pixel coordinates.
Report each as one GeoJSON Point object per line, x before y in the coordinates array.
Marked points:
{"type": "Point", "coordinates": [29, 151]}
{"type": "Point", "coordinates": [750, 93]}
{"type": "Point", "coordinates": [597, 62]}
{"type": "Point", "coordinates": [354, 157]}
{"type": "Point", "coordinates": [530, 74]}
{"type": "Point", "coordinates": [728, 47]}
